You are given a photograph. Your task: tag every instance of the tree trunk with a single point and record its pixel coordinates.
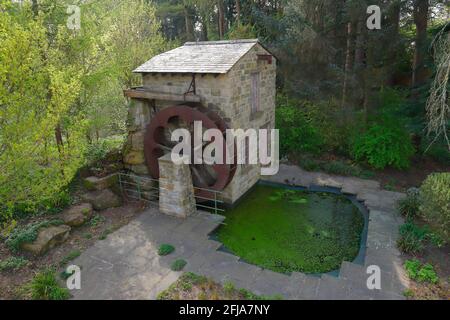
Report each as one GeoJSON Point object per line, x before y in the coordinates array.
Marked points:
{"type": "Point", "coordinates": [393, 38]}
{"type": "Point", "coordinates": [360, 60]}
{"type": "Point", "coordinates": [221, 19]}
{"type": "Point", "coordinates": [205, 28]}
{"type": "Point", "coordinates": [35, 8]}
{"type": "Point", "coordinates": [238, 11]}
{"type": "Point", "coordinates": [189, 25]}
{"type": "Point", "coordinates": [348, 64]}
{"type": "Point", "coordinates": [421, 9]}
{"type": "Point", "coordinates": [59, 139]}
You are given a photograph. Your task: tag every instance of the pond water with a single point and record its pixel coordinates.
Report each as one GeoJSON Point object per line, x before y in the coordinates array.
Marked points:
{"type": "Point", "coordinates": [287, 230]}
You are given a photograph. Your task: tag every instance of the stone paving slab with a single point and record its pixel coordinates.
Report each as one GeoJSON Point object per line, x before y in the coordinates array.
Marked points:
{"type": "Point", "coordinates": [126, 265]}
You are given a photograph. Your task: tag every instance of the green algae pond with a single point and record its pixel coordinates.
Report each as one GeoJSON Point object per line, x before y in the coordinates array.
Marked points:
{"type": "Point", "coordinates": [287, 230]}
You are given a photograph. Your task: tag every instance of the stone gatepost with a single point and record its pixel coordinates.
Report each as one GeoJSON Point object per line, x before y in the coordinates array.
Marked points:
{"type": "Point", "coordinates": [176, 190]}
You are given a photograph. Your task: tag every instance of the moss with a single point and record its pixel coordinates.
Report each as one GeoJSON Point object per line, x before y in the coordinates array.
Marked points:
{"type": "Point", "coordinates": [288, 230]}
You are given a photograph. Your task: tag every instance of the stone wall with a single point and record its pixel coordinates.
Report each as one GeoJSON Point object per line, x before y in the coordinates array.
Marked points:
{"type": "Point", "coordinates": [176, 196]}
{"type": "Point", "coordinates": [229, 95]}
{"type": "Point", "coordinates": [139, 116]}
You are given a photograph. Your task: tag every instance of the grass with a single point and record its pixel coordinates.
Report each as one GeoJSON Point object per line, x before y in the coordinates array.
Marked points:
{"type": "Point", "coordinates": [13, 263]}
{"type": "Point", "coordinates": [44, 286]}
{"type": "Point", "coordinates": [194, 287]}
{"type": "Point", "coordinates": [165, 249]}
{"type": "Point", "coordinates": [97, 220]}
{"type": "Point", "coordinates": [71, 256]}
{"type": "Point", "coordinates": [287, 230]}
{"type": "Point", "coordinates": [178, 265]}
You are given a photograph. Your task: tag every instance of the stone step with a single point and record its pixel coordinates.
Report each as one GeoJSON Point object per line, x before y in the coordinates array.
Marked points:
{"type": "Point", "coordinates": [356, 277]}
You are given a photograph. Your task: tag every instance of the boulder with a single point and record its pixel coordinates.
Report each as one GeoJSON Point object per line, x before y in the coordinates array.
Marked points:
{"type": "Point", "coordinates": [97, 184]}
{"type": "Point", "coordinates": [102, 200]}
{"type": "Point", "coordinates": [47, 239]}
{"type": "Point", "coordinates": [76, 216]}
{"type": "Point", "coordinates": [134, 158]}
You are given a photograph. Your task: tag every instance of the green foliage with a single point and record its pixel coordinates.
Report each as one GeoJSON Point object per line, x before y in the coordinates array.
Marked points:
{"type": "Point", "coordinates": [13, 263]}
{"type": "Point", "coordinates": [71, 256]}
{"type": "Point", "coordinates": [242, 31]}
{"type": "Point", "coordinates": [408, 293]}
{"type": "Point", "coordinates": [54, 80]}
{"type": "Point", "coordinates": [412, 238]}
{"type": "Point", "coordinates": [384, 145]}
{"type": "Point", "coordinates": [97, 220]}
{"type": "Point", "coordinates": [28, 233]}
{"type": "Point", "coordinates": [98, 151]}
{"type": "Point", "coordinates": [421, 273]}
{"type": "Point", "coordinates": [178, 265]}
{"type": "Point", "coordinates": [409, 207]}
{"type": "Point", "coordinates": [435, 202]}
{"type": "Point", "coordinates": [229, 287]}
{"type": "Point", "coordinates": [44, 286]}
{"type": "Point", "coordinates": [338, 167]}
{"type": "Point", "coordinates": [165, 249]}
{"type": "Point", "coordinates": [297, 131]}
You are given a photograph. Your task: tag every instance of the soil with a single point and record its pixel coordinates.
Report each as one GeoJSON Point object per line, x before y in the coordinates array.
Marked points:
{"type": "Point", "coordinates": [12, 283]}
{"type": "Point", "coordinates": [420, 169]}
{"type": "Point", "coordinates": [438, 257]}
{"type": "Point", "coordinates": [390, 178]}
{"type": "Point", "coordinates": [193, 287]}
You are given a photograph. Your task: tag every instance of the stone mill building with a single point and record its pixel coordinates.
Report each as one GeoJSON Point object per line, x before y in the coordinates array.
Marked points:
{"type": "Point", "coordinates": [226, 84]}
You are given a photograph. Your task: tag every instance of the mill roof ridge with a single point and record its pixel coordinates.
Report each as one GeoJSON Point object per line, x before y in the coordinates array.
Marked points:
{"type": "Point", "coordinates": [213, 57]}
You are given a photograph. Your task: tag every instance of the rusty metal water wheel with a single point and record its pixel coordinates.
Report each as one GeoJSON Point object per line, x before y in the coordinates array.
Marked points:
{"type": "Point", "coordinates": [158, 143]}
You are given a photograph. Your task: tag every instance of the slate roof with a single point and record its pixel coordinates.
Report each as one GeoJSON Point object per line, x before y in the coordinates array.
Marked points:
{"type": "Point", "coordinates": [199, 57]}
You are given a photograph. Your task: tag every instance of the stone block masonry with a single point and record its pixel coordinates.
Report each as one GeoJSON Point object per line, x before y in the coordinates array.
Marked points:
{"type": "Point", "coordinates": [176, 196]}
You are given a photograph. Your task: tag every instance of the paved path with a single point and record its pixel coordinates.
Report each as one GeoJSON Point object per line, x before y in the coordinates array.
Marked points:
{"type": "Point", "coordinates": [126, 264]}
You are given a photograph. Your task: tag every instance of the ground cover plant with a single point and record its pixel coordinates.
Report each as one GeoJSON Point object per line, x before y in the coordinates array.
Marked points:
{"type": "Point", "coordinates": [287, 230]}
{"type": "Point", "coordinates": [194, 287]}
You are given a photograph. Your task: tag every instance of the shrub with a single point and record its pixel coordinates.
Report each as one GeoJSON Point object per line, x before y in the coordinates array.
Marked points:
{"type": "Point", "coordinates": [421, 273]}
{"type": "Point", "coordinates": [435, 198]}
{"type": "Point", "coordinates": [412, 238]}
{"type": "Point", "coordinates": [165, 249]}
{"type": "Point", "coordinates": [178, 265]}
{"type": "Point", "coordinates": [13, 263]}
{"type": "Point", "coordinates": [27, 233]}
{"type": "Point", "coordinates": [297, 131]}
{"type": "Point", "coordinates": [384, 145]}
{"type": "Point", "coordinates": [44, 286]}
{"type": "Point", "coordinates": [409, 207]}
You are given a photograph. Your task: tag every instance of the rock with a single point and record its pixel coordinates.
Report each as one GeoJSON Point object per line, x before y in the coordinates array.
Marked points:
{"type": "Point", "coordinates": [47, 239]}
{"type": "Point", "coordinates": [77, 215]}
{"type": "Point", "coordinates": [97, 184]}
{"type": "Point", "coordinates": [102, 200]}
{"type": "Point", "coordinates": [137, 141]}
{"type": "Point", "coordinates": [139, 169]}
{"type": "Point", "coordinates": [134, 158]}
